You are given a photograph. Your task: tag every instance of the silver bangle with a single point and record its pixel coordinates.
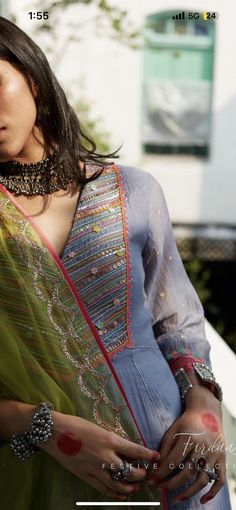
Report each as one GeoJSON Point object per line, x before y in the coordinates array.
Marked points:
{"type": "Point", "coordinates": [26, 444]}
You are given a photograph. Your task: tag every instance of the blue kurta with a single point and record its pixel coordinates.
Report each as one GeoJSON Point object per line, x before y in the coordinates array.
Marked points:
{"type": "Point", "coordinates": [122, 257]}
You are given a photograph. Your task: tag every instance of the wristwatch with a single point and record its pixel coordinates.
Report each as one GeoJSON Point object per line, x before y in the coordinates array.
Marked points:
{"type": "Point", "coordinates": [204, 373]}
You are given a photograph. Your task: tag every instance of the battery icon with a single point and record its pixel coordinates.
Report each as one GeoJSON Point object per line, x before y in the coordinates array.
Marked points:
{"type": "Point", "coordinates": [210, 15]}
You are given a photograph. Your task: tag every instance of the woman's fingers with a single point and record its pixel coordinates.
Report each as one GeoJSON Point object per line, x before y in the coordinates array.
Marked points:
{"type": "Point", "coordinates": [186, 474]}
{"type": "Point", "coordinates": [167, 444]}
{"type": "Point", "coordinates": [202, 481]}
{"type": "Point", "coordinates": [133, 451]}
{"type": "Point", "coordinates": [138, 468]}
{"type": "Point", "coordinates": [120, 487]}
{"type": "Point", "coordinates": [137, 472]}
{"type": "Point", "coordinates": [103, 488]}
{"type": "Point", "coordinates": [218, 484]}
{"type": "Point", "coordinates": [174, 458]}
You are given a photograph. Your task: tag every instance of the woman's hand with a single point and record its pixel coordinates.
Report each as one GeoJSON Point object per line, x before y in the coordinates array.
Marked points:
{"type": "Point", "coordinates": [197, 432]}
{"type": "Point", "coordinates": [88, 451]}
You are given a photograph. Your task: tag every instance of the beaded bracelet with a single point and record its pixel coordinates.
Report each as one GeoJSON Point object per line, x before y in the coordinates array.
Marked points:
{"type": "Point", "coordinates": [21, 446]}
{"type": "Point", "coordinates": [26, 444]}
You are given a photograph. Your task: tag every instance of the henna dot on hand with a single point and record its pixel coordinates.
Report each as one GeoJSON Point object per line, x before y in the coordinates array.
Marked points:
{"type": "Point", "coordinates": [69, 444]}
{"type": "Point", "coordinates": [210, 422]}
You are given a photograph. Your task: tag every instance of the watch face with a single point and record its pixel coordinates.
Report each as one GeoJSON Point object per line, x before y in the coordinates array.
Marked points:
{"type": "Point", "coordinates": [204, 371]}
{"type": "Point", "coordinates": [207, 376]}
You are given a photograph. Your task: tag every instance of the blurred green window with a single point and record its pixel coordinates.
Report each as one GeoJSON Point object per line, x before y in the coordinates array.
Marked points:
{"type": "Point", "coordinates": [178, 57]}
{"type": "Point", "coordinates": [1, 7]}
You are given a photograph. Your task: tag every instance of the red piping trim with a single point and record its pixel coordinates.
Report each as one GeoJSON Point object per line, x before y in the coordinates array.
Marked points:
{"type": "Point", "coordinates": [164, 499]}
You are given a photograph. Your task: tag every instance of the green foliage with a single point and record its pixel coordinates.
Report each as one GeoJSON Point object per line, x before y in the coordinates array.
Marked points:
{"type": "Point", "coordinates": [199, 277]}
{"type": "Point", "coordinates": [13, 18]}
{"type": "Point", "coordinates": [213, 283]}
{"type": "Point", "coordinates": [108, 20]}
{"type": "Point", "coordinates": [92, 124]}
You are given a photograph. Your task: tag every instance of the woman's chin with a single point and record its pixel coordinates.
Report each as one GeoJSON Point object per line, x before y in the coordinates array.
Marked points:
{"type": "Point", "coordinates": [9, 153]}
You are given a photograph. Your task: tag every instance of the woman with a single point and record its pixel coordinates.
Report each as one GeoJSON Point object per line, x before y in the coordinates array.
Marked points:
{"type": "Point", "coordinates": [97, 319]}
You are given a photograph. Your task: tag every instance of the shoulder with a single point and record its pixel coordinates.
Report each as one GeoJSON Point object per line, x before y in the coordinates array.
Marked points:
{"type": "Point", "coordinates": [132, 174]}
{"type": "Point", "coordinates": [138, 179]}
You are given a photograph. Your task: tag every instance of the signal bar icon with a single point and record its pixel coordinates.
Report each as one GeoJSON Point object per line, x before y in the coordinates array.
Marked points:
{"type": "Point", "coordinates": [181, 15]}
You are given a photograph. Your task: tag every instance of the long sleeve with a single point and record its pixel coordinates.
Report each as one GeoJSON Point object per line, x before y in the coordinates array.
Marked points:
{"type": "Point", "coordinates": [176, 311]}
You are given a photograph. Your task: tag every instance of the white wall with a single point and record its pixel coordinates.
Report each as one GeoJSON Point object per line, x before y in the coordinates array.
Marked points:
{"type": "Point", "coordinates": [3, 8]}
{"type": "Point", "coordinates": [197, 190]}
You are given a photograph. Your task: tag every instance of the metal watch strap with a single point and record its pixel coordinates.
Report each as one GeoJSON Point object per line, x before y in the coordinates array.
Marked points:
{"type": "Point", "coordinates": [183, 382]}
{"type": "Point", "coordinates": [204, 373]}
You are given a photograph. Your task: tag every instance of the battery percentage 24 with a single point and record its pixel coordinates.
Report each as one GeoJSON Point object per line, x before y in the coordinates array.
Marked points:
{"type": "Point", "coordinates": [210, 15]}
{"type": "Point", "coordinates": [203, 15]}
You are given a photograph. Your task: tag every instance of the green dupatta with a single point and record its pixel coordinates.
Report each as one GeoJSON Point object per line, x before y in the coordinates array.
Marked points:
{"type": "Point", "coordinates": [49, 348]}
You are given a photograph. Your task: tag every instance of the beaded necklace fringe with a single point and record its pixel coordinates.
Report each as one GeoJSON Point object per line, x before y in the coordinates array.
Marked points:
{"type": "Point", "coordinates": [40, 178]}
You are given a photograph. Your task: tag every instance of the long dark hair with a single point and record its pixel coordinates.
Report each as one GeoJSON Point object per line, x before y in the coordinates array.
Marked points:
{"type": "Point", "coordinates": [56, 118]}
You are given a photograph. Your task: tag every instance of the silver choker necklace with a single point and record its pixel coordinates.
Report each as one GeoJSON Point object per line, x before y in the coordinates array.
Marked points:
{"type": "Point", "coordinates": [41, 178]}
